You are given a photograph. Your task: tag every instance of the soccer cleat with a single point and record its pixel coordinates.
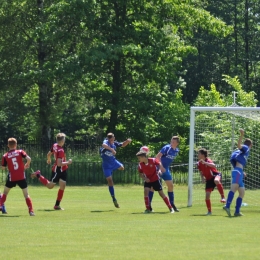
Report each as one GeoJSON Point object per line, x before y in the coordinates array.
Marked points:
{"type": "Point", "coordinates": [33, 175]}
{"type": "Point", "coordinates": [175, 209]}
{"type": "Point", "coordinates": [57, 208]}
{"type": "Point", "coordinates": [3, 210]}
{"type": "Point", "coordinates": [209, 213]}
{"type": "Point", "coordinates": [116, 204]}
{"type": "Point", "coordinates": [227, 210]}
{"type": "Point", "coordinates": [171, 210]}
{"type": "Point", "coordinates": [151, 209]}
{"type": "Point", "coordinates": [31, 214]}
{"type": "Point", "coordinates": [223, 200]}
{"type": "Point", "coordinates": [239, 214]}
{"type": "Point", "coordinates": [147, 211]}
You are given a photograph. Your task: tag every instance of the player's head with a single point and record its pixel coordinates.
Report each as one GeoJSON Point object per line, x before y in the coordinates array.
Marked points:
{"type": "Point", "coordinates": [202, 153]}
{"type": "Point", "coordinates": [60, 138]}
{"type": "Point", "coordinates": [248, 142]}
{"type": "Point", "coordinates": [142, 156]}
{"type": "Point", "coordinates": [175, 141]}
{"type": "Point", "coordinates": [111, 137]}
{"type": "Point", "coordinates": [12, 143]}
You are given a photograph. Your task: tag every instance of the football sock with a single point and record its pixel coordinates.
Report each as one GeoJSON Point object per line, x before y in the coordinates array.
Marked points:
{"type": "Point", "coordinates": [220, 190]}
{"type": "Point", "coordinates": [238, 204]}
{"type": "Point", "coordinates": [147, 202]}
{"type": "Point", "coordinates": [167, 202]}
{"type": "Point", "coordinates": [59, 197]}
{"type": "Point", "coordinates": [112, 192]}
{"type": "Point", "coordinates": [29, 204]}
{"type": "Point", "coordinates": [150, 196]}
{"type": "Point", "coordinates": [42, 179]}
{"type": "Point", "coordinates": [208, 203]}
{"type": "Point", "coordinates": [3, 199]}
{"type": "Point", "coordinates": [229, 199]}
{"type": "Point", "coordinates": [171, 197]}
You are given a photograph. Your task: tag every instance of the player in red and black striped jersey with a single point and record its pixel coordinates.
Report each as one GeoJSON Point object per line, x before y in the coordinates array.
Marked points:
{"type": "Point", "coordinates": [59, 169]}
{"type": "Point", "coordinates": [211, 176]}
{"type": "Point", "coordinates": [13, 160]}
{"type": "Point", "coordinates": [148, 171]}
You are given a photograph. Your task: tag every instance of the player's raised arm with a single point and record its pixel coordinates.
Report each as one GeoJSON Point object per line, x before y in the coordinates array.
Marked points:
{"type": "Point", "coordinates": [126, 142]}
{"type": "Point", "coordinates": [239, 143]}
{"type": "Point", "coordinates": [28, 162]}
{"type": "Point", "coordinates": [159, 156]}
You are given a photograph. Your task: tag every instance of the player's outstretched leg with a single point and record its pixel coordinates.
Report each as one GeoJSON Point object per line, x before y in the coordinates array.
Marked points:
{"type": "Point", "coordinates": [2, 206]}
{"type": "Point", "coordinates": [41, 178]}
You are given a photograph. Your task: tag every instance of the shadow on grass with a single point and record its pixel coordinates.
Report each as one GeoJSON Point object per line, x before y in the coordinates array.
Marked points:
{"type": "Point", "coordinates": [101, 211]}
{"type": "Point", "coordinates": [204, 215]}
{"type": "Point", "coordinates": [8, 216]}
{"type": "Point", "coordinates": [48, 210]}
{"type": "Point", "coordinates": [152, 213]}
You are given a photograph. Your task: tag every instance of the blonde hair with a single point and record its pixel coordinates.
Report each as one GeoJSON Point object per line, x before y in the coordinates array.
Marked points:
{"type": "Point", "coordinates": [177, 138]}
{"type": "Point", "coordinates": [60, 137]}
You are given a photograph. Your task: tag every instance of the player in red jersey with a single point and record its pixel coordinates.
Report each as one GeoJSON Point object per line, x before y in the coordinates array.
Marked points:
{"type": "Point", "coordinates": [211, 176]}
{"type": "Point", "coordinates": [148, 171]}
{"type": "Point", "coordinates": [13, 160]}
{"type": "Point", "coordinates": [59, 169]}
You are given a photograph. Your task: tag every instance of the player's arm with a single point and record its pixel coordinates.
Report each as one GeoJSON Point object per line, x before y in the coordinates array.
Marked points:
{"type": "Point", "coordinates": [142, 175]}
{"type": "Point", "coordinates": [108, 148]}
{"type": "Point", "coordinates": [49, 157]}
{"type": "Point", "coordinates": [60, 163]}
{"type": "Point", "coordinates": [28, 162]}
{"type": "Point", "coordinates": [162, 169]}
{"type": "Point", "coordinates": [239, 143]}
{"type": "Point", "coordinates": [159, 156]}
{"type": "Point", "coordinates": [126, 142]}
{"type": "Point", "coordinates": [203, 179]}
{"type": "Point", "coordinates": [210, 164]}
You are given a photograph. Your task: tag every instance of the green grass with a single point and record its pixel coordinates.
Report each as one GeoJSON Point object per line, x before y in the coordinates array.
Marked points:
{"type": "Point", "coordinates": [90, 227]}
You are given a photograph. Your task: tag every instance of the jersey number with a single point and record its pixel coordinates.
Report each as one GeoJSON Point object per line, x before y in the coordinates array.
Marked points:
{"type": "Point", "coordinates": [15, 163]}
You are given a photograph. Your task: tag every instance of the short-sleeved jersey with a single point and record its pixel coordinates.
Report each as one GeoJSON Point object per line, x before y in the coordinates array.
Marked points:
{"type": "Point", "coordinates": [150, 169]}
{"type": "Point", "coordinates": [58, 152]}
{"type": "Point", "coordinates": [14, 161]}
{"type": "Point", "coordinates": [168, 155]}
{"type": "Point", "coordinates": [106, 155]}
{"type": "Point", "coordinates": [207, 172]}
{"type": "Point", "coordinates": [240, 156]}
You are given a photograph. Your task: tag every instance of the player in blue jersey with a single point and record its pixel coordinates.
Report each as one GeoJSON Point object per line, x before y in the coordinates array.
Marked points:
{"type": "Point", "coordinates": [109, 162]}
{"type": "Point", "coordinates": [238, 160]}
{"type": "Point", "coordinates": [166, 156]}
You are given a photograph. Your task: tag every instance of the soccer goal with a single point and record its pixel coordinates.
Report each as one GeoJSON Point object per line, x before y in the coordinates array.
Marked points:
{"type": "Point", "coordinates": [217, 130]}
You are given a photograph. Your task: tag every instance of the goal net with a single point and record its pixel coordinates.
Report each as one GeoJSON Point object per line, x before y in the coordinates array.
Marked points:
{"type": "Point", "coordinates": [217, 130]}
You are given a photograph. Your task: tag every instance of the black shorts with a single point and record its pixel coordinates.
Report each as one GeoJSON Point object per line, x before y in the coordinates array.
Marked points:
{"type": "Point", "coordinates": [156, 185]}
{"type": "Point", "coordinates": [11, 184]}
{"type": "Point", "coordinates": [210, 184]}
{"type": "Point", "coordinates": [58, 175]}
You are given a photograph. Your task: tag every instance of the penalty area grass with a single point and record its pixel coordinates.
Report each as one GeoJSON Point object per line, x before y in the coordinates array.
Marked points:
{"type": "Point", "coordinates": [91, 227]}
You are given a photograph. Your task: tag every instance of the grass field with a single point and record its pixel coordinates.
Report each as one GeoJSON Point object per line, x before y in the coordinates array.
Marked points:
{"type": "Point", "coordinates": [91, 227]}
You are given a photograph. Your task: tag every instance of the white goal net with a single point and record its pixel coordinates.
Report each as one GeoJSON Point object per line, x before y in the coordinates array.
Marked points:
{"type": "Point", "coordinates": [217, 130]}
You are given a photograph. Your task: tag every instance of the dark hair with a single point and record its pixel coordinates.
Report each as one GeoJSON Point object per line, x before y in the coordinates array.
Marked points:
{"type": "Point", "coordinates": [177, 138]}
{"type": "Point", "coordinates": [141, 154]}
{"type": "Point", "coordinates": [203, 151]}
{"type": "Point", "coordinates": [248, 142]}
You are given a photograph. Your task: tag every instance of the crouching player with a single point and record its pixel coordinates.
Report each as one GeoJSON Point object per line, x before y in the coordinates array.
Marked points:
{"type": "Point", "coordinates": [211, 176]}
{"type": "Point", "coordinates": [148, 171]}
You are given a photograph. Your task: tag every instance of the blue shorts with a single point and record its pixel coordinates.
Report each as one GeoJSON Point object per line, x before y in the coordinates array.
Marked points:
{"type": "Point", "coordinates": [166, 176]}
{"type": "Point", "coordinates": [238, 176]}
{"type": "Point", "coordinates": [109, 168]}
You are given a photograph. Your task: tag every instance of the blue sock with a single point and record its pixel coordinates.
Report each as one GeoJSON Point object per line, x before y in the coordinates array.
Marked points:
{"type": "Point", "coordinates": [171, 197]}
{"type": "Point", "coordinates": [3, 208]}
{"type": "Point", "coordinates": [238, 204]}
{"type": "Point", "coordinates": [150, 195]}
{"type": "Point", "coordinates": [112, 192]}
{"type": "Point", "coordinates": [229, 199]}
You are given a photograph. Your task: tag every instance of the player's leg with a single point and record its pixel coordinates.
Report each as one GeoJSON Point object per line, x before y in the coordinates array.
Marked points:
{"type": "Point", "coordinates": [2, 206]}
{"type": "Point", "coordinates": [23, 185]}
{"type": "Point", "coordinates": [150, 195]}
{"type": "Point", "coordinates": [158, 187]}
{"type": "Point", "coordinates": [62, 176]}
{"type": "Point", "coordinates": [147, 188]}
{"type": "Point", "coordinates": [8, 186]}
{"type": "Point", "coordinates": [42, 179]}
{"type": "Point", "coordinates": [218, 183]}
{"type": "Point", "coordinates": [207, 200]}
{"type": "Point", "coordinates": [241, 191]}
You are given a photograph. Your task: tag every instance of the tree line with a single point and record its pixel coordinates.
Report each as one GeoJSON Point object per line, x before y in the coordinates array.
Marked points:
{"type": "Point", "coordinates": [131, 67]}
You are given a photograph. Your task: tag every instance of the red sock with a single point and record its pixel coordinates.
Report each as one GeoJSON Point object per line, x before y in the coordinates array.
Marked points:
{"type": "Point", "coordinates": [3, 199]}
{"type": "Point", "coordinates": [43, 180]}
{"type": "Point", "coordinates": [220, 190]}
{"type": "Point", "coordinates": [208, 203]}
{"type": "Point", "coordinates": [60, 195]}
{"type": "Point", "coordinates": [167, 202]}
{"type": "Point", "coordinates": [147, 202]}
{"type": "Point", "coordinates": [29, 204]}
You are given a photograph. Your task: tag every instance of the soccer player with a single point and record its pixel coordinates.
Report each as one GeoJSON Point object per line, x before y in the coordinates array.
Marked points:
{"type": "Point", "coordinates": [13, 160]}
{"type": "Point", "coordinates": [238, 160]}
{"type": "Point", "coordinates": [148, 172]}
{"type": "Point", "coordinates": [211, 176]}
{"type": "Point", "coordinates": [109, 162]}
{"type": "Point", "coordinates": [59, 169]}
{"type": "Point", "coordinates": [166, 156]}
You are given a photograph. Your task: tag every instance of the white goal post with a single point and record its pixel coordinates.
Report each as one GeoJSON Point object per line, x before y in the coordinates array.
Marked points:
{"type": "Point", "coordinates": [217, 130]}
